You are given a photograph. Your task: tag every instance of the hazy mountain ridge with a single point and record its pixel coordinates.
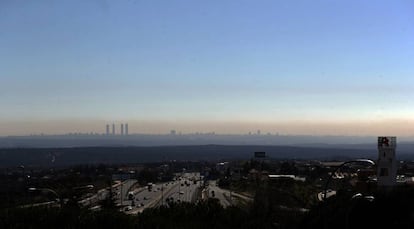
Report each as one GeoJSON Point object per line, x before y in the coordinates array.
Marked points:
{"type": "Point", "coordinates": [46, 141]}
{"type": "Point", "coordinates": [88, 155]}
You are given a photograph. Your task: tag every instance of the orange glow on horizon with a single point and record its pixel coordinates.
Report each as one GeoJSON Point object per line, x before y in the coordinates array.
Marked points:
{"type": "Point", "coordinates": [398, 127]}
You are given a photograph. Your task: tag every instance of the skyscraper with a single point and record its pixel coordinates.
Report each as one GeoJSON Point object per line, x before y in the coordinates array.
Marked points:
{"type": "Point", "coordinates": [113, 129]}
{"type": "Point", "coordinates": [107, 129]}
{"type": "Point", "coordinates": [122, 129]}
{"type": "Point", "coordinates": [126, 128]}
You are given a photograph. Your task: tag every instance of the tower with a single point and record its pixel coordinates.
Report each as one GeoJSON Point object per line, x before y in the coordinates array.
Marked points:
{"type": "Point", "coordinates": [107, 129]}
{"type": "Point", "coordinates": [122, 129]}
{"type": "Point", "coordinates": [387, 163]}
{"type": "Point", "coordinates": [113, 129]}
{"type": "Point", "coordinates": [126, 128]}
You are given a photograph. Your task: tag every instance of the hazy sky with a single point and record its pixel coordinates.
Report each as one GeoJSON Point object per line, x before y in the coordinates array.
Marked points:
{"type": "Point", "coordinates": [318, 67]}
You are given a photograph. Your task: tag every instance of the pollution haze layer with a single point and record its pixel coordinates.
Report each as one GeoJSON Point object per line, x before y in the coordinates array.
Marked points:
{"type": "Point", "coordinates": [273, 124]}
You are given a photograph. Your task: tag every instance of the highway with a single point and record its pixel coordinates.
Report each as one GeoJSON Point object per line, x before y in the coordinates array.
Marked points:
{"type": "Point", "coordinates": [184, 189]}
{"type": "Point", "coordinates": [159, 193]}
{"type": "Point", "coordinates": [215, 192]}
{"type": "Point", "coordinates": [120, 191]}
{"type": "Point", "coordinates": [102, 194]}
{"type": "Point", "coordinates": [226, 197]}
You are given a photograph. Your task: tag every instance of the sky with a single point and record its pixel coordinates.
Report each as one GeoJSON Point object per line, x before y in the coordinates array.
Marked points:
{"type": "Point", "coordinates": [295, 67]}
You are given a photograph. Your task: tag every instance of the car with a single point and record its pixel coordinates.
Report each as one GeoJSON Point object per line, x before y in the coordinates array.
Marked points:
{"type": "Point", "coordinates": [128, 208]}
{"type": "Point", "coordinates": [145, 198]}
{"type": "Point", "coordinates": [181, 193]}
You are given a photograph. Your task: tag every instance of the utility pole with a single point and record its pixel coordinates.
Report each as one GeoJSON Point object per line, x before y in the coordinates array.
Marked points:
{"type": "Point", "coordinates": [231, 199]}
{"type": "Point", "coordinates": [162, 195]}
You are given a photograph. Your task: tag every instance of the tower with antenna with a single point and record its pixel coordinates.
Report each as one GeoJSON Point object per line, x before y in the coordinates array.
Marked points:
{"type": "Point", "coordinates": [387, 163]}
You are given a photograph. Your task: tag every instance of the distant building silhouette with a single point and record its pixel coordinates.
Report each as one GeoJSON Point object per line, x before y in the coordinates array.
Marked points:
{"type": "Point", "coordinates": [107, 129]}
{"type": "Point", "coordinates": [126, 128]}
{"type": "Point", "coordinates": [172, 132]}
{"type": "Point", "coordinates": [122, 129]}
{"type": "Point", "coordinates": [113, 129]}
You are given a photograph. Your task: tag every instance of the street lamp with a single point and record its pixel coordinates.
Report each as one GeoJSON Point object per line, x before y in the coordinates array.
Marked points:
{"type": "Point", "coordinates": [162, 195]}
{"type": "Point", "coordinates": [179, 190]}
{"type": "Point", "coordinates": [360, 161]}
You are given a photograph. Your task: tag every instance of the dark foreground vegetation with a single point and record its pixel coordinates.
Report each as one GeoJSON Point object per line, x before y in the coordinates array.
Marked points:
{"type": "Point", "coordinates": [272, 203]}
{"type": "Point", "coordinates": [388, 210]}
{"type": "Point", "coordinates": [208, 214]}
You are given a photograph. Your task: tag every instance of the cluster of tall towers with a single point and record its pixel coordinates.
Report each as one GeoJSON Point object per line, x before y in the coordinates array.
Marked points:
{"type": "Point", "coordinates": [124, 129]}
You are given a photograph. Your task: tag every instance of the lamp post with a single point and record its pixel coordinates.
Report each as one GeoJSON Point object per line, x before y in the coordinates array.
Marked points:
{"type": "Point", "coordinates": [365, 161]}
{"type": "Point", "coordinates": [162, 195]}
{"type": "Point", "coordinates": [121, 193]}
{"type": "Point", "coordinates": [179, 190]}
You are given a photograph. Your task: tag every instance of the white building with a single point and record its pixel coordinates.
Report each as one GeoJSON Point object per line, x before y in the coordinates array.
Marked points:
{"type": "Point", "coordinates": [387, 163]}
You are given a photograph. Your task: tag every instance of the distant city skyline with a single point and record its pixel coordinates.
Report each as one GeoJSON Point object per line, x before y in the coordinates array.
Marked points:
{"type": "Point", "coordinates": [307, 67]}
{"type": "Point", "coordinates": [51, 127]}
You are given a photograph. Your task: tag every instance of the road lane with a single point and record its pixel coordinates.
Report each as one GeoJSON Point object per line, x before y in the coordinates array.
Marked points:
{"type": "Point", "coordinates": [215, 192]}
{"type": "Point", "coordinates": [161, 193]}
